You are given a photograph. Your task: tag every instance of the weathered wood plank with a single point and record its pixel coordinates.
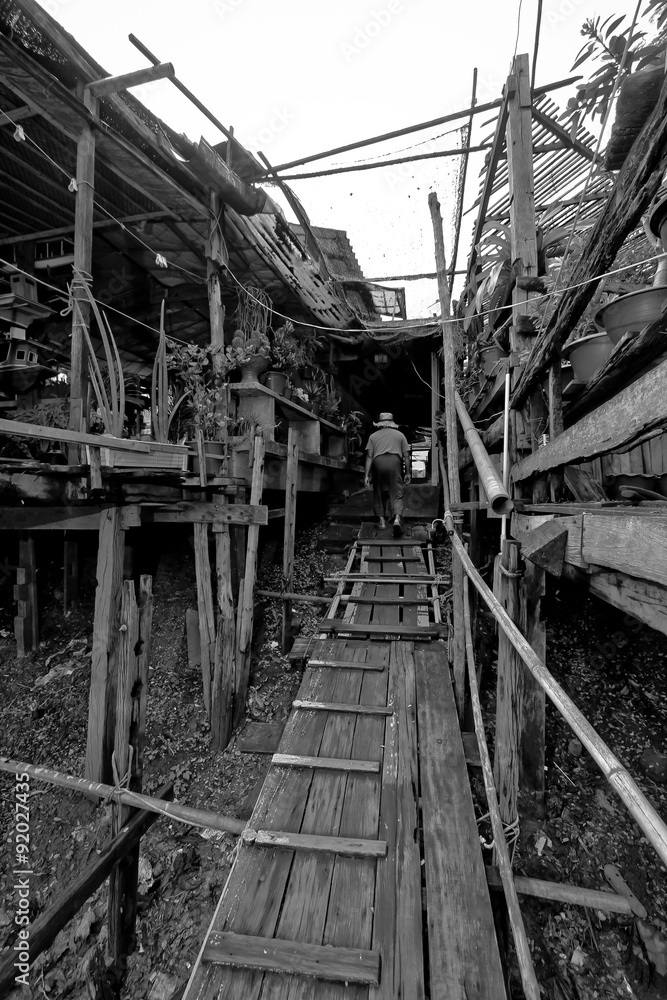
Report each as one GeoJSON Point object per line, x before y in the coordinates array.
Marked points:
{"type": "Point", "coordinates": [16, 427]}
{"type": "Point", "coordinates": [632, 545]}
{"type": "Point", "coordinates": [523, 525]}
{"type": "Point", "coordinates": [376, 628]}
{"type": "Point", "coordinates": [616, 425]}
{"type": "Point", "coordinates": [346, 665]}
{"type": "Point", "coordinates": [291, 957]}
{"type": "Point", "coordinates": [287, 582]}
{"type": "Point", "coordinates": [545, 546]}
{"type": "Point", "coordinates": [246, 598]}
{"type": "Point", "coordinates": [217, 514]}
{"type": "Point", "coordinates": [330, 706]}
{"type": "Point", "coordinates": [645, 601]}
{"type": "Point", "coordinates": [260, 737]}
{"type": "Point", "coordinates": [325, 763]}
{"type": "Point", "coordinates": [563, 892]}
{"type": "Point", "coordinates": [463, 954]}
{"type": "Point", "coordinates": [351, 847]}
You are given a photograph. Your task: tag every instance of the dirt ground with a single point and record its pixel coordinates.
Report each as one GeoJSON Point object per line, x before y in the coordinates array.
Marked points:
{"type": "Point", "coordinates": [614, 670]}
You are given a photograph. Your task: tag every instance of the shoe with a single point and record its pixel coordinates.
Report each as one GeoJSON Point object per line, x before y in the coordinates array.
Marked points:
{"type": "Point", "coordinates": [382, 523]}
{"type": "Point", "coordinates": [396, 527]}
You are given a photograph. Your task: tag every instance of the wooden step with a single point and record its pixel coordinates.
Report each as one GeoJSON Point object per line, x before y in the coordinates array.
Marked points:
{"type": "Point", "coordinates": [260, 737]}
{"type": "Point", "coordinates": [370, 557]}
{"type": "Point", "coordinates": [349, 847]}
{"type": "Point", "coordinates": [340, 965]}
{"type": "Point", "coordinates": [401, 631]}
{"type": "Point", "coordinates": [374, 578]}
{"type": "Point", "coordinates": [326, 763]}
{"type": "Point", "coordinates": [346, 665]}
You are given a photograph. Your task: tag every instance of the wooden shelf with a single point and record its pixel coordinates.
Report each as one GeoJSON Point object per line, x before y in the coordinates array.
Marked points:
{"type": "Point", "coordinates": [291, 409]}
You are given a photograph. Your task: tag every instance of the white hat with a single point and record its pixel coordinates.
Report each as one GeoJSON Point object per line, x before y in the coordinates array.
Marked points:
{"type": "Point", "coordinates": [386, 420]}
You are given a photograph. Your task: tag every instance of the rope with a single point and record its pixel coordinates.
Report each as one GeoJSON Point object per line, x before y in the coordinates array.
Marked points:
{"type": "Point", "coordinates": [119, 784]}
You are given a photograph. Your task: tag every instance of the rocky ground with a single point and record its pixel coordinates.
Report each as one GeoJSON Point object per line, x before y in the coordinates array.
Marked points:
{"type": "Point", "coordinates": [619, 681]}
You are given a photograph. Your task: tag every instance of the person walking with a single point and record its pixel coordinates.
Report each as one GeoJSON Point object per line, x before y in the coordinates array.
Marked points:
{"type": "Point", "coordinates": [387, 470]}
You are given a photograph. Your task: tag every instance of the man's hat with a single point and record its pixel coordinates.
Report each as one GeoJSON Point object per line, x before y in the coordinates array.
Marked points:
{"type": "Point", "coordinates": [386, 420]}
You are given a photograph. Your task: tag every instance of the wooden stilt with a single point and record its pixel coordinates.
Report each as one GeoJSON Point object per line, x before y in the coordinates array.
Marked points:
{"type": "Point", "coordinates": [222, 692]}
{"type": "Point", "coordinates": [457, 640]}
{"type": "Point", "coordinates": [207, 635]}
{"type": "Point", "coordinates": [291, 475]}
{"type": "Point", "coordinates": [26, 622]}
{"type": "Point", "coordinates": [244, 642]}
{"type": "Point", "coordinates": [70, 573]}
{"type": "Point", "coordinates": [531, 770]}
{"type": "Point", "coordinates": [102, 706]}
{"type": "Point", "coordinates": [435, 406]}
{"type": "Point", "coordinates": [83, 261]}
{"type": "Point", "coordinates": [510, 688]}
{"type": "Point", "coordinates": [556, 480]}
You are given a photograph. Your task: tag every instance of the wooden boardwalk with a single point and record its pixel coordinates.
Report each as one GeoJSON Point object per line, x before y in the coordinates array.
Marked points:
{"type": "Point", "coordinates": [334, 895]}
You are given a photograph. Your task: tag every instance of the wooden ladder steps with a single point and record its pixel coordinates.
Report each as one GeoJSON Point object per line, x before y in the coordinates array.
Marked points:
{"type": "Point", "coordinates": [346, 665]}
{"type": "Point", "coordinates": [387, 543]}
{"type": "Point", "coordinates": [390, 601]}
{"type": "Point", "coordinates": [371, 557]}
{"type": "Point", "coordinates": [326, 763]}
{"type": "Point", "coordinates": [243, 951]}
{"type": "Point", "coordinates": [401, 631]}
{"type": "Point", "coordinates": [333, 706]}
{"type": "Point", "coordinates": [348, 847]}
{"type": "Point", "coordinates": [374, 578]}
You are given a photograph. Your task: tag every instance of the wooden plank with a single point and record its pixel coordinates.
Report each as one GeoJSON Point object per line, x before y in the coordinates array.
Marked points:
{"type": "Point", "coordinates": [464, 960]}
{"type": "Point", "coordinates": [636, 184]}
{"type": "Point", "coordinates": [631, 545]}
{"type": "Point", "coordinates": [370, 578]}
{"type": "Point", "coordinates": [403, 631]}
{"type": "Point", "coordinates": [509, 689]}
{"type": "Point", "coordinates": [399, 602]}
{"type": "Point", "coordinates": [471, 749]}
{"type": "Point", "coordinates": [532, 748]}
{"type": "Point", "coordinates": [397, 928]}
{"type": "Point", "coordinates": [345, 846]}
{"type": "Point", "coordinates": [329, 706]}
{"type": "Point", "coordinates": [645, 601]}
{"type": "Point", "coordinates": [101, 707]}
{"type": "Point", "coordinates": [247, 599]}
{"type": "Point", "coordinates": [26, 623]}
{"type": "Point", "coordinates": [290, 957]}
{"type": "Point", "coordinates": [523, 524]}
{"type": "Point", "coordinates": [582, 485]}
{"type": "Point", "coordinates": [287, 583]}
{"type": "Point", "coordinates": [224, 656]}
{"type": "Point", "coordinates": [207, 629]}
{"type": "Point", "coordinates": [70, 574]}
{"type": "Point", "coordinates": [325, 763]}
{"type": "Point", "coordinates": [20, 429]}
{"type": "Point", "coordinates": [545, 546]}
{"type": "Point", "coordinates": [217, 514]}
{"type": "Point", "coordinates": [345, 665]}
{"type": "Point", "coordinates": [562, 892]}
{"type": "Point", "coordinates": [260, 737]}
{"type": "Point", "coordinates": [373, 557]}
{"type": "Point", "coordinates": [617, 425]}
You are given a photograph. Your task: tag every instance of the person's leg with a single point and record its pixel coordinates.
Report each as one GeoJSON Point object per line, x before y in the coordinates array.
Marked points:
{"type": "Point", "coordinates": [396, 491]}
{"type": "Point", "coordinates": [378, 504]}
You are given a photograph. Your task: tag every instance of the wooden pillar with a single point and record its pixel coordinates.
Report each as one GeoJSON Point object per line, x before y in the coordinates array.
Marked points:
{"type": "Point", "coordinates": [509, 693]}
{"type": "Point", "coordinates": [246, 604]}
{"type": "Point", "coordinates": [70, 573]}
{"type": "Point", "coordinates": [131, 699]}
{"type": "Point", "coordinates": [207, 632]}
{"type": "Point", "coordinates": [556, 479]}
{"type": "Point", "coordinates": [83, 261]}
{"type": "Point", "coordinates": [291, 476]}
{"type": "Point", "coordinates": [435, 406]}
{"type": "Point", "coordinates": [531, 768]}
{"type": "Point", "coordinates": [26, 622]}
{"type": "Point", "coordinates": [457, 640]}
{"type": "Point", "coordinates": [102, 708]}
{"type": "Point", "coordinates": [224, 668]}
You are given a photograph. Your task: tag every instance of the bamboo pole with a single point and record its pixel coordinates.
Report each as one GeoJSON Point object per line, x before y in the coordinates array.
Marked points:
{"type": "Point", "coordinates": [174, 810]}
{"type": "Point", "coordinates": [528, 978]}
{"type": "Point", "coordinates": [653, 827]}
{"type": "Point", "coordinates": [456, 644]}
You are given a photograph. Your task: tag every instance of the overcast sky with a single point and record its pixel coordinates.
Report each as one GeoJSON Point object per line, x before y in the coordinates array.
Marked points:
{"type": "Point", "coordinates": [295, 77]}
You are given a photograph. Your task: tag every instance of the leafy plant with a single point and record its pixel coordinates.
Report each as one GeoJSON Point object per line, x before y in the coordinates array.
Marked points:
{"type": "Point", "coordinates": [353, 423]}
{"type": "Point", "coordinates": [201, 383]}
{"type": "Point", "coordinates": [164, 404]}
{"type": "Point", "coordinates": [330, 404]}
{"type": "Point", "coordinates": [46, 413]}
{"type": "Point", "coordinates": [286, 351]}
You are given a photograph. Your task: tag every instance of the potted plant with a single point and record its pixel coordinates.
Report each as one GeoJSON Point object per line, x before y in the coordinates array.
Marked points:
{"type": "Point", "coordinates": [250, 348]}
{"type": "Point", "coordinates": [314, 382]}
{"type": "Point", "coordinates": [201, 373]}
{"type": "Point", "coordinates": [285, 358]}
{"type": "Point", "coordinates": [588, 353]}
{"type": "Point", "coordinates": [330, 404]}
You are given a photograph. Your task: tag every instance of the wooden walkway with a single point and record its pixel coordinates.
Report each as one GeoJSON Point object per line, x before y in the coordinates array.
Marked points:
{"type": "Point", "coordinates": [334, 894]}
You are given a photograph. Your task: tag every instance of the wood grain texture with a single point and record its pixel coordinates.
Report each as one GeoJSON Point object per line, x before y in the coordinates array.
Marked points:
{"type": "Point", "coordinates": [350, 847]}
{"type": "Point", "coordinates": [509, 691]}
{"type": "Point", "coordinates": [545, 546]}
{"type": "Point", "coordinates": [330, 706]}
{"type": "Point", "coordinates": [325, 763]}
{"type": "Point", "coordinates": [272, 955]}
{"type": "Point", "coordinates": [631, 545]}
{"type": "Point", "coordinates": [463, 954]}
{"type": "Point", "coordinates": [645, 601]}
{"type": "Point", "coordinates": [260, 737]}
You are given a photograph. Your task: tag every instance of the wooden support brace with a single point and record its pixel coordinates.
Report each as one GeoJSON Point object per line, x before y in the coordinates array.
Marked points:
{"type": "Point", "coordinates": [333, 706]}
{"type": "Point", "coordinates": [241, 951]}
{"type": "Point", "coordinates": [509, 694]}
{"type": "Point", "coordinates": [545, 546]}
{"type": "Point", "coordinates": [326, 763]}
{"type": "Point", "coordinates": [348, 847]}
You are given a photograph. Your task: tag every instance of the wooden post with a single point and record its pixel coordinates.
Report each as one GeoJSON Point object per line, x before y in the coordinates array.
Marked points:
{"type": "Point", "coordinates": [457, 642]}
{"type": "Point", "coordinates": [70, 573]}
{"type": "Point", "coordinates": [224, 671]}
{"type": "Point", "coordinates": [26, 622]}
{"type": "Point", "coordinates": [83, 261]}
{"type": "Point", "coordinates": [531, 765]}
{"type": "Point", "coordinates": [207, 632]}
{"type": "Point", "coordinates": [102, 706]}
{"type": "Point", "coordinates": [556, 480]}
{"type": "Point", "coordinates": [244, 640]}
{"type": "Point", "coordinates": [291, 476]}
{"type": "Point", "coordinates": [435, 406]}
{"type": "Point", "coordinates": [509, 695]}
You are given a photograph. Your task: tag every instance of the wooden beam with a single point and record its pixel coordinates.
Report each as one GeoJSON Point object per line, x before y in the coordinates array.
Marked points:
{"type": "Point", "coordinates": [333, 706]}
{"type": "Point", "coordinates": [69, 518]}
{"type": "Point", "coordinates": [21, 429]}
{"type": "Point", "coordinates": [101, 708]}
{"type": "Point", "coordinates": [532, 744]}
{"type": "Point", "coordinates": [326, 763]}
{"type": "Point", "coordinates": [26, 622]}
{"type": "Point", "coordinates": [643, 600]}
{"type": "Point", "coordinates": [45, 928]}
{"type": "Point", "coordinates": [207, 630]}
{"type": "Point", "coordinates": [509, 694]}
{"type": "Point", "coordinates": [563, 892]}
{"type": "Point", "coordinates": [570, 141]}
{"type": "Point", "coordinates": [616, 425]}
{"type": "Point", "coordinates": [114, 84]}
{"type": "Point", "coordinates": [497, 148]}
{"type": "Point", "coordinates": [636, 184]}
{"type": "Point", "coordinates": [545, 546]}
{"type": "Point", "coordinates": [241, 951]}
{"type": "Point", "coordinates": [634, 546]}
{"type": "Point", "coordinates": [347, 847]}
{"type": "Point", "coordinates": [398, 631]}
{"type": "Point", "coordinates": [291, 478]}
{"type": "Point", "coordinates": [247, 598]}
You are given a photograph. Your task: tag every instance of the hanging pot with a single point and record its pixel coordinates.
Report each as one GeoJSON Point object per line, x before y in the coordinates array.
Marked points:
{"type": "Point", "coordinates": [631, 313]}
{"type": "Point", "coordinates": [276, 381]}
{"type": "Point", "coordinates": [253, 368]}
{"type": "Point", "coordinates": [588, 354]}
{"type": "Point", "coordinates": [490, 357]}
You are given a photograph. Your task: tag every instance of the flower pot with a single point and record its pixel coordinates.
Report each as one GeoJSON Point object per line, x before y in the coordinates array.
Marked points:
{"type": "Point", "coordinates": [588, 354]}
{"type": "Point", "coordinates": [315, 407]}
{"type": "Point", "coordinates": [276, 381]}
{"type": "Point", "coordinates": [490, 356]}
{"type": "Point", "coordinates": [632, 312]}
{"type": "Point", "coordinates": [253, 368]}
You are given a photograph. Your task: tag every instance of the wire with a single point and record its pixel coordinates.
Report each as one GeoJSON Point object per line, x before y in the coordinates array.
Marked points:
{"type": "Point", "coordinates": [518, 28]}
{"type": "Point", "coordinates": [536, 44]}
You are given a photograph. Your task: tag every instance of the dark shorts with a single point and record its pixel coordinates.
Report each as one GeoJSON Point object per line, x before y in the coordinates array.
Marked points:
{"type": "Point", "coordinates": [387, 474]}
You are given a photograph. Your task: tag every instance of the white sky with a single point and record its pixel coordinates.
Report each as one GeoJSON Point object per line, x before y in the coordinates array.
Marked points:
{"type": "Point", "coordinates": [296, 77]}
